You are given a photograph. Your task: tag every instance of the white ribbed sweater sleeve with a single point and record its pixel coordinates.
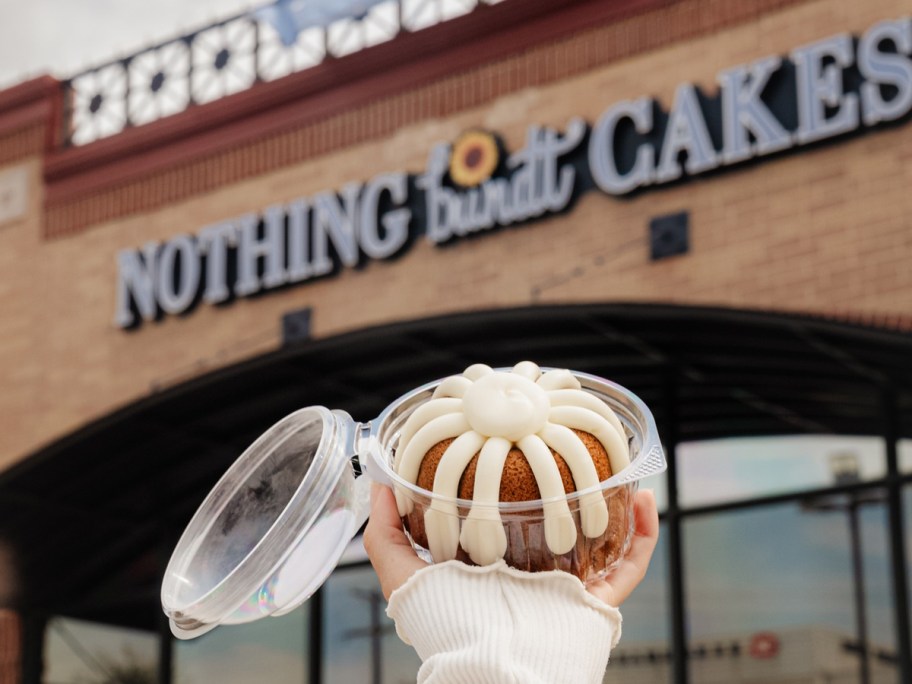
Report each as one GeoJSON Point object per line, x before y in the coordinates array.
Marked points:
{"type": "Point", "coordinates": [498, 625]}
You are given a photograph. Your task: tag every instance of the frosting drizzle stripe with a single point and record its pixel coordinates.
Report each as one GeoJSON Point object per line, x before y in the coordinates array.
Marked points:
{"type": "Point", "coordinates": [439, 429]}
{"type": "Point", "coordinates": [593, 508]}
{"type": "Point", "coordinates": [560, 530]}
{"type": "Point", "coordinates": [527, 369]}
{"type": "Point", "coordinates": [423, 415]}
{"type": "Point", "coordinates": [558, 379]}
{"type": "Point", "coordinates": [453, 386]}
{"type": "Point", "coordinates": [569, 397]}
{"type": "Point", "coordinates": [441, 520]}
{"type": "Point", "coordinates": [478, 370]}
{"type": "Point", "coordinates": [591, 422]}
{"type": "Point", "coordinates": [483, 536]}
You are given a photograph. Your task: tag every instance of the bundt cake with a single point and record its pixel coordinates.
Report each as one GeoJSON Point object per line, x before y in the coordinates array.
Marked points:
{"type": "Point", "coordinates": [492, 437]}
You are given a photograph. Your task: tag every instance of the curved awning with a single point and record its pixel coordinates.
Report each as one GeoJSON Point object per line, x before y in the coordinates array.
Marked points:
{"type": "Point", "coordinates": [94, 515]}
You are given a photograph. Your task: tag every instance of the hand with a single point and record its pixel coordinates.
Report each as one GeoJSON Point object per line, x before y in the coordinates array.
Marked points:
{"type": "Point", "coordinates": [388, 548]}
{"type": "Point", "coordinates": [616, 587]}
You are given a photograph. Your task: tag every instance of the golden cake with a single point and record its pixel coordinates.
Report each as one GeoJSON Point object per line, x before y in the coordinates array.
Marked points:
{"type": "Point", "coordinates": [489, 438]}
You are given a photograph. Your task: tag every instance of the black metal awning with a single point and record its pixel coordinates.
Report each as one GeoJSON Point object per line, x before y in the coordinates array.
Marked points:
{"type": "Point", "coordinates": [94, 516]}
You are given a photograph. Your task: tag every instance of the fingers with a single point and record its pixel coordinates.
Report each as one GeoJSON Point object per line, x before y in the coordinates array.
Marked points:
{"type": "Point", "coordinates": [384, 529]}
{"type": "Point", "coordinates": [632, 569]}
{"type": "Point", "coordinates": [384, 513]}
{"type": "Point", "coordinates": [646, 515]}
{"type": "Point", "coordinates": [388, 548]}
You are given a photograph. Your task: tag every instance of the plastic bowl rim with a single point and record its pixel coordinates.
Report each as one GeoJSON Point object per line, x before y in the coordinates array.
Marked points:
{"type": "Point", "coordinates": [616, 481]}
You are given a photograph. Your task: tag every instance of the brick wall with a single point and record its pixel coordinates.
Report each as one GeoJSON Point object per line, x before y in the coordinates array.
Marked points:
{"type": "Point", "coordinates": [824, 231]}
{"type": "Point", "coordinates": [10, 647]}
{"type": "Point", "coordinates": [22, 142]}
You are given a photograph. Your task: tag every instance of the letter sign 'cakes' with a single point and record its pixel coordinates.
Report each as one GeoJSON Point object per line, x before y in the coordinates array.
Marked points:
{"type": "Point", "coordinates": [491, 436]}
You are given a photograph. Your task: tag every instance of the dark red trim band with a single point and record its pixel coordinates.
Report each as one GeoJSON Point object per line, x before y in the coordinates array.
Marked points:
{"type": "Point", "coordinates": [410, 60]}
{"type": "Point", "coordinates": [433, 73]}
{"type": "Point", "coordinates": [34, 102]}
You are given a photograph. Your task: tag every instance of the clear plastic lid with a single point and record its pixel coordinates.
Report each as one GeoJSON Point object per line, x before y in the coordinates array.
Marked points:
{"type": "Point", "coordinates": [272, 529]}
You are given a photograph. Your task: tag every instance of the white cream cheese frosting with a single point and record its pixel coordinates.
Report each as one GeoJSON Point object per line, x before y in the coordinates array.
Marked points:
{"type": "Point", "coordinates": [487, 412]}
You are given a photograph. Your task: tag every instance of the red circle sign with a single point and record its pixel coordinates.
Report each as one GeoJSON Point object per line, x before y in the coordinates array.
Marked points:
{"type": "Point", "coordinates": [764, 645]}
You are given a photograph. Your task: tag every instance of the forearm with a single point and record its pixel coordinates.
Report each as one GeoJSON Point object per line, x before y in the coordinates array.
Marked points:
{"type": "Point", "coordinates": [497, 625]}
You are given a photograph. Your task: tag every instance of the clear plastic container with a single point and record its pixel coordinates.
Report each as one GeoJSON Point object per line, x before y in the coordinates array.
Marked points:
{"type": "Point", "coordinates": [524, 527]}
{"type": "Point", "coordinates": [273, 528]}
{"type": "Point", "coordinates": [523, 521]}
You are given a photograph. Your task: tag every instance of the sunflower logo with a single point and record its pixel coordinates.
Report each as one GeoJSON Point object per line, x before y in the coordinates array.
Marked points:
{"type": "Point", "coordinates": [474, 157]}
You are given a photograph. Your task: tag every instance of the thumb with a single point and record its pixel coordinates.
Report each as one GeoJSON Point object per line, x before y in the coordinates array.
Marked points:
{"type": "Point", "coordinates": [388, 548]}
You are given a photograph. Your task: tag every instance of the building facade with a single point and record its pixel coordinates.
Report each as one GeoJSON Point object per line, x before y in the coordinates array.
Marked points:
{"type": "Point", "coordinates": [706, 200]}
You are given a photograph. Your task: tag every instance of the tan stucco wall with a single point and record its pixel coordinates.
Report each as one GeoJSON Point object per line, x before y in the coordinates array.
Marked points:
{"type": "Point", "coordinates": [823, 230]}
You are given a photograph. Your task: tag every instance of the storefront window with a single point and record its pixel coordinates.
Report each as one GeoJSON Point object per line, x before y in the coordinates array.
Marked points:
{"type": "Point", "coordinates": [79, 652]}
{"type": "Point", "coordinates": [907, 531]}
{"type": "Point", "coordinates": [904, 455]}
{"type": "Point", "coordinates": [359, 640]}
{"type": "Point", "coordinates": [771, 591]}
{"type": "Point", "coordinates": [271, 650]}
{"type": "Point", "coordinates": [724, 470]}
{"type": "Point", "coordinates": [643, 654]}
{"type": "Point", "coordinates": [874, 528]}
{"type": "Point", "coordinates": [659, 486]}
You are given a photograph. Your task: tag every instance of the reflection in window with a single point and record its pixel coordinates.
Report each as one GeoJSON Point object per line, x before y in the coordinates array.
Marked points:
{"type": "Point", "coordinates": [907, 531]}
{"type": "Point", "coordinates": [659, 486]}
{"type": "Point", "coordinates": [357, 633]}
{"type": "Point", "coordinates": [79, 652]}
{"type": "Point", "coordinates": [771, 590]}
{"type": "Point", "coordinates": [272, 650]}
{"type": "Point", "coordinates": [725, 470]}
{"type": "Point", "coordinates": [643, 654]}
{"type": "Point", "coordinates": [904, 455]}
{"type": "Point", "coordinates": [874, 529]}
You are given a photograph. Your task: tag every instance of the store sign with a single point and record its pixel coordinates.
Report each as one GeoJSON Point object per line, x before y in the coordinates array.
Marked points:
{"type": "Point", "coordinates": [826, 89]}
